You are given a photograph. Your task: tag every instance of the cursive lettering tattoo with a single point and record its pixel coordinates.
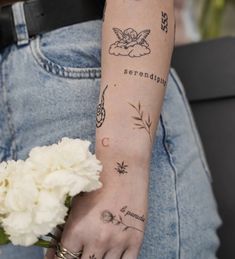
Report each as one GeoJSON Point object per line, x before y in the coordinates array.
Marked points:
{"type": "Point", "coordinates": [164, 23]}
{"type": "Point", "coordinates": [130, 43]}
{"type": "Point", "coordinates": [140, 122]}
{"type": "Point", "coordinates": [132, 214]}
{"type": "Point", "coordinates": [141, 74]}
{"type": "Point", "coordinates": [121, 168]}
{"type": "Point", "coordinates": [92, 257]}
{"type": "Point", "coordinates": [101, 113]}
{"type": "Point", "coordinates": [108, 217]}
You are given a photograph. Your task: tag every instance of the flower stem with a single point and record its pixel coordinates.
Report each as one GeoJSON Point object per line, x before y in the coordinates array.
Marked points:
{"type": "Point", "coordinates": [44, 243]}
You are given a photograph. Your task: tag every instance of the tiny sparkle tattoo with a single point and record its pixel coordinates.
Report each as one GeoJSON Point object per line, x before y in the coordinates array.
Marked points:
{"type": "Point", "coordinates": [130, 43]}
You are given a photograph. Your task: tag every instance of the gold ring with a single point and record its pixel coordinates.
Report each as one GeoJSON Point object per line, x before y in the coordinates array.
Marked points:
{"type": "Point", "coordinates": [61, 252]}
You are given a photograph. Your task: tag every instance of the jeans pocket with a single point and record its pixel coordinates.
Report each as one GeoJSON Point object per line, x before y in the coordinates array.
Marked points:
{"type": "Point", "coordinates": [72, 52]}
{"type": "Point", "coordinates": [193, 124]}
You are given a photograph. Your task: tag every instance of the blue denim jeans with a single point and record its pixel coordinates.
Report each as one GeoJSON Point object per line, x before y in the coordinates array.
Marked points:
{"type": "Point", "coordinates": [49, 88]}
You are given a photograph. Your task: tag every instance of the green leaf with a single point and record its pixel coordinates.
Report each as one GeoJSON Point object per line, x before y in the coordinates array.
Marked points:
{"type": "Point", "coordinates": [3, 237]}
{"type": "Point", "coordinates": [43, 243]}
{"type": "Point", "coordinates": [68, 201]}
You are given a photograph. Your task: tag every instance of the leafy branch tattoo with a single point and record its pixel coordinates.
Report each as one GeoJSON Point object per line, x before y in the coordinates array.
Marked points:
{"type": "Point", "coordinates": [164, 24]}
{"type": "Point", "coordinates": [101, 113]}
{"type": "Point", "coordinates": [130, 43]}
{"type": "Point", "coordinates": [142, 123]}
{"type": "Point", "coordinates": [108, 217]}
{"type": "Point", "coordinates": [121, 168]}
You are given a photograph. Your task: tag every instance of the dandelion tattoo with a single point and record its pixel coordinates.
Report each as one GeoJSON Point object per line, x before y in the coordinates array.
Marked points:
{"type": "Point", "coordinates": [101, 113]}
{"type": "Point", "coordinates": [108, 217]}
{"type": "Point", "coordinates": [121, 168]}
{"type": "Point", "coordinates": [164, 24]}
{"type": "Point", "coordinates": [130, 43]}
{"type": "Point", "coordinates": [140, 122]}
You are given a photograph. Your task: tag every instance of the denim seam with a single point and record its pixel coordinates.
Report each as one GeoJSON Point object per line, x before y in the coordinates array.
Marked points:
{"type": "Point", "coordinates": [197, 141]}
{"type": "Point", "coordinates": [13, 148]}
{"type": "Point", "coordinates": [171, 162]}
{"type": "Point", "coordinates": [61, 71]}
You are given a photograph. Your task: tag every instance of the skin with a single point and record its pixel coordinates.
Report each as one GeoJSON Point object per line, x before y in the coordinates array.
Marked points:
{"type": "Point", "coordinates": [87, 228]}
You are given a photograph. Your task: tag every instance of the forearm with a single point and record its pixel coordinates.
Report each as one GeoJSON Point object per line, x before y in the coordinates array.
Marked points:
{"type": "Point", "coordinates": [134, 74]}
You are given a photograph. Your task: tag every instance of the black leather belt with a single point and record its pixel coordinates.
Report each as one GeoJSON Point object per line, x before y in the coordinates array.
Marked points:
{"type": "Point", "coordinates": [46, 15]}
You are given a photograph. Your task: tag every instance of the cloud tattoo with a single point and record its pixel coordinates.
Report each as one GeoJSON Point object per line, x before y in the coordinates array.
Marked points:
{"type": "Point", "coordinates": [130, 43]}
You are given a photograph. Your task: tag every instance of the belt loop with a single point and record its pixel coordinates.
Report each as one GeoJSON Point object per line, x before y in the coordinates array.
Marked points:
{"type": "Point", "coordinates": [20, 23]}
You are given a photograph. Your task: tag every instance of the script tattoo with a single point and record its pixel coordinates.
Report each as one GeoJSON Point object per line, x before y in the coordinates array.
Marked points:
{"type": "Point", "coordinates": [141, 74]}
{"type": "Point", "coordinates": [92, 257]}
{"type": "Point", "coordinates": [108, 217]}
{"type": "Point", "coordinates": [130, 43]}
{"type": "Point", "coordinates": [121, 168]}
{"type": "Point", "coordinates": [164, 24]}
{"type": "Point", "coordinates": [140, 122]}
{"type": "Point", "coordinates": [101, 113]}
{"type": "Point", "coordinates": [132, 214]}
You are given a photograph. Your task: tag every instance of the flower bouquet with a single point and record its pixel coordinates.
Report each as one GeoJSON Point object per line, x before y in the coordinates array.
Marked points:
{"type": "Point", "coordinates": [36, 193]}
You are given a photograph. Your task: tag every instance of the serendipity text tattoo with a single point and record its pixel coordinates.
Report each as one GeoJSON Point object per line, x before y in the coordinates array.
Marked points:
{"type": "Point", "coordinates": [101, 113]}
{"type": "Point", "coordinates": [130, 43]}
{"type": "Point", "coordinates": [132, 214]}
{"type": "Point", "coordinates": [121, 168]}
{"type": "Point", "coordinates": [108, 217]}
{"type": "Point", "coordinates": [151, 76]}
{"type": "Point", "coordinates": [142, 123]}
{"type": "Point", "coordinates": [164, 23]}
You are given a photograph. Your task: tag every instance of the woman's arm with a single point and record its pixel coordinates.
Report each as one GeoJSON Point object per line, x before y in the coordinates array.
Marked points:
{"type": "Point", "coordinates": [137, 43]}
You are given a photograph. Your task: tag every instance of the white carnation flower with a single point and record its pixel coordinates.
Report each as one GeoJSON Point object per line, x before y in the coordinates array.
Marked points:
{"type": "Point", "coordinates": [33, 192]}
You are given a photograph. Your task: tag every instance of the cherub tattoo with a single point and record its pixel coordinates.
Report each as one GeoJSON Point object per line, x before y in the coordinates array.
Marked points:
{"type": "Point", "coordinates": [101, 113]}
{"type": "Point", "coordinates": [164, 24]}
{"type": "Point", "coordinates": [130, 43]}
{"type": "Point", "coordinates": [108, 217]}
{"type": "Point", "coordinates": [121, 168]}
{"type": "Point", "coordinates": [142, 123]}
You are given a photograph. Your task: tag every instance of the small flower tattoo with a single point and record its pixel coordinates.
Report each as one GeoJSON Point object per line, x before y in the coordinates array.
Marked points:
{"type": "Point", "coordinates": [108, 217]}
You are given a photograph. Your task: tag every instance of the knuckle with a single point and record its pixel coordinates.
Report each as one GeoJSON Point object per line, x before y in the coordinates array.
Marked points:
{"type": "Point", "coordinates": [102, 238]}
{"type": "Point", "coordinates": [136, 241]}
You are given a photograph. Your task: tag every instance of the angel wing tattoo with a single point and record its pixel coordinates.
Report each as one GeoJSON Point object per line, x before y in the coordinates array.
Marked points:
{"type": "Point", "coordinates": [130, 43]}
{"type": "Point", "coordinates": [142, 36]}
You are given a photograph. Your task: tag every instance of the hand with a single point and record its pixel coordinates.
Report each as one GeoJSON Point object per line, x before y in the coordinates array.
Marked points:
{"type": "Point", "coordinates": [108, 223]}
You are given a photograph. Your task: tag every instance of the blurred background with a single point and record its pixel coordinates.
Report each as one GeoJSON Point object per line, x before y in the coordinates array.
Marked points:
{"type": "Point", "coordinates": [204, 19]}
